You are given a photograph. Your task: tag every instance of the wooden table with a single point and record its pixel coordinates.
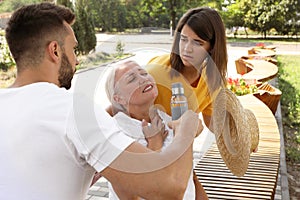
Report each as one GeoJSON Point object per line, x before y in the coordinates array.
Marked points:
{"type": "Point", "coordinates": [260, 180]}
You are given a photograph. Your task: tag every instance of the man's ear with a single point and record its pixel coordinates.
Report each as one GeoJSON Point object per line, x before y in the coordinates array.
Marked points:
{"type": "Point", "coordinates": [53, 51]}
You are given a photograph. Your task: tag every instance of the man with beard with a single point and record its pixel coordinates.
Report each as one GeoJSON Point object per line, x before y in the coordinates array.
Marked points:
{"type": "Point", "coordinates": [52, 144]}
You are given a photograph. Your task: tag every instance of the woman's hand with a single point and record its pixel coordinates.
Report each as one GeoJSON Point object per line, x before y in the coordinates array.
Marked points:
{"type": "Point", "coordinates": [155, 133]}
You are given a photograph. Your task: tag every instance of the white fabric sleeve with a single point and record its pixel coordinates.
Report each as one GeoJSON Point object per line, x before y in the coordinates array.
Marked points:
{"type": "Point", "coordinates": [96, 136]}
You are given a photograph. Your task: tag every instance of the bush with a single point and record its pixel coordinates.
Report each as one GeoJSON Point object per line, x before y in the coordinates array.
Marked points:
{"type": "Point", "coordinates": [120, 49]}
{"type": "Point", "coordinates": [6, 60]}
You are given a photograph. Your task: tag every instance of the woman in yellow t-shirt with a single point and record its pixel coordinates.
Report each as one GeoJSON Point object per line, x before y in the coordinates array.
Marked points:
{"type": "Point", "coordinates": [198, 60]}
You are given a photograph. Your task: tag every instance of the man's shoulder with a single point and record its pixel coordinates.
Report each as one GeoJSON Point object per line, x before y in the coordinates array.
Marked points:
{"type": "Point", "coordinates": [36, 90]}
{"type": "Point", "coordinates": [51, 91]}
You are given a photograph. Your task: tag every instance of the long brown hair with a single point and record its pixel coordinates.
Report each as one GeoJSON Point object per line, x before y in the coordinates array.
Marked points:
{"type": "Point", "coordinates": [208, 25]}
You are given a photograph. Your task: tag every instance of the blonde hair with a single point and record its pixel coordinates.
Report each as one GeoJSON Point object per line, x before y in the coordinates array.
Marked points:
{"type": "Point", "coordinates": [110, 87]}
{"type": "Point", "coordinates": [110, 84]}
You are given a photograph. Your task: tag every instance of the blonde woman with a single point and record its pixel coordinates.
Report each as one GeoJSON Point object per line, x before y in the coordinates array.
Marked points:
{"type": "Point", "coordinates": [132, 92]}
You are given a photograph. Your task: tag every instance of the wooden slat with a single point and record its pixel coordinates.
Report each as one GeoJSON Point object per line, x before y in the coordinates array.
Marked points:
{"type": "Point", "coordinates": [236, 185]}
{"type": "Point", "coordinates": [239, 181]}
{"type": "Point", "coordinates": [228, 195]}
{"type": "Point", "coordinates": [260, 180]}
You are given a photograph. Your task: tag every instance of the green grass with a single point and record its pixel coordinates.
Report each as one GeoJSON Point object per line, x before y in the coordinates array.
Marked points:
{"type": "Point", "coordinates": [289, 84]}
{"type": "Point", "coordinates": [98, 59]}
{"type": "Point", "coordinates": [269, 40]}
{"type": "Point", "coordinates": [93, 60]}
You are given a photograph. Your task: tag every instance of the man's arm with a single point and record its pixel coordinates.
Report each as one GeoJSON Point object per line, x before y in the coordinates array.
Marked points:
{"type": "Point", "coordinates": [139, 171]}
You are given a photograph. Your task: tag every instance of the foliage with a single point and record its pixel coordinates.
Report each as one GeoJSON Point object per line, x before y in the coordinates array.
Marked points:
{"type": "Point", "coordinates": [66, 3]}
{"type": "Point", "coordinates": [290, 102]}
{"type": "Point", "coordinates": [240, 86]}
{"type": "Point", "coordinates": [120, 49]}
{"type": "Point", "coordinates": [6, 60]}
{"type": "Point", "coordinates": [263, 16]}
{"type": "Point", "coordinates": [234, 17]}
{"type": "Point", "coordinates": [84, 27]}
{"type": "Point", "coordinates": [11, 5]}
{"type": "Point", "coordinates": [111, 15]}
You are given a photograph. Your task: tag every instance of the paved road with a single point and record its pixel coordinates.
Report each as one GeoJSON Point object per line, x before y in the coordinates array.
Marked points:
{"type": "Point", "coordinates": [108, 42]}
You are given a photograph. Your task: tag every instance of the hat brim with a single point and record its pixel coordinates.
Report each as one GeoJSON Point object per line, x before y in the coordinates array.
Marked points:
{"type": "Point", "coordinates": [236, 131]}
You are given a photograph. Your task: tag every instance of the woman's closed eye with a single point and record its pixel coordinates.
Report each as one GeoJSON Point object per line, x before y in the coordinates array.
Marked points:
{"type": "Point", "coordinates": [131, 79]}
{"type": "Point", "coordinates": [144, 73]}
{"type": "Point", "coordinates": [133, 76]}
{"type": "Point", "coordinates": [197, 42]}
{"type": "Point", "coordinates": [183, 38]}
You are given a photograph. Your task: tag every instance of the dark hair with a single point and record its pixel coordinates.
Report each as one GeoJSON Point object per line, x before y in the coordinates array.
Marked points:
{"type": "Point", "coordinates": [31, 28]}
{"type": "Point", "coordinates": [208, 25]}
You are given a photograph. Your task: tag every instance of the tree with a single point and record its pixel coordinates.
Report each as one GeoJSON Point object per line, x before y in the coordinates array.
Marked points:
{"type": "Point", "coordinates": [11, 5]}
{"type": "Point", "coordinates": [66, 3]}
{"type": "Point", "coordinates": [83, 28]}
{"type": "Point", "coordinates": [119, 16]}
{"type": "Point", "coordinates": [233, 16]}
{"type": "Point", "coordinates": [134, 17]}
{"type": "Point", "coordinates": [178, 7]}
{"type": "Point", "coordinates": [106, 13]}
{"type": "Point", "coordinates": [290, 18]}
{"type": "Point", "coordinates": [263, 15]}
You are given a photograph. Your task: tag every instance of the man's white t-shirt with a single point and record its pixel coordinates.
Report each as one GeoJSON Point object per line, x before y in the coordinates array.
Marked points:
{"type": "Point", "coordinates": [133, 128]}
{"type": "Point", "coordinates": [52, 142]}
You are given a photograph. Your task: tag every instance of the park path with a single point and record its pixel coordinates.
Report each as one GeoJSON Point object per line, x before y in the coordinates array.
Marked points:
{"type": "Point", "coordinates": [108, 42]}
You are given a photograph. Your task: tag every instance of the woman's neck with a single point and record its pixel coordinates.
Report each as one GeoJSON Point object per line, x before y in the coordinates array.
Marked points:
{"type": "Point", "coordinates": [140, 112]}
{"type": "Point", "coordinates": [191, 74]}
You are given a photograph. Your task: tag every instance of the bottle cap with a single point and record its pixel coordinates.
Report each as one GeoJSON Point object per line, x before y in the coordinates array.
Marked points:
{"type": "Point", "coordinates": [177, 88]}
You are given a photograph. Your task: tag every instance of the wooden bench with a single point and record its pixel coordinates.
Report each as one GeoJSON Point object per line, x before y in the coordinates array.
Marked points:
{"type": "Point", "coordinates": [261, 70]}
{"type": "Point", "coordinates": [260, 180]}
{"type": "Point", "coordinates": [265, 52]}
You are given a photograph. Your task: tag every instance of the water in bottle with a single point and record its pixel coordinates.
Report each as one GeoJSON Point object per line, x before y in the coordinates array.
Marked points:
{"type": "Point", "coordinates": [178, 101]}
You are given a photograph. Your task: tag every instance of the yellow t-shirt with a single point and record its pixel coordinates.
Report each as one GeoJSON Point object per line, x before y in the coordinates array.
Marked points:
{"type": "Point", "coordinates": [199, 99]}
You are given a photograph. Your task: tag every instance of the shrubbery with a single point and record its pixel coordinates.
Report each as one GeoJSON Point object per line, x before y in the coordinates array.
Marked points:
{"type": "Point", "coordinates": [6, 60]}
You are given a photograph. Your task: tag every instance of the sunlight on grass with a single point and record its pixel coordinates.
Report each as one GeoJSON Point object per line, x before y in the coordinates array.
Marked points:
{"type": "Point", "coordinates": [292, 69]}
{"type": "Point", "coordinates": [289, 84]}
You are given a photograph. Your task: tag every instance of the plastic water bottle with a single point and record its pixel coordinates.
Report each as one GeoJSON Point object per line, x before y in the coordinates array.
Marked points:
{"type": "Point", "coordinates": [178, 101]}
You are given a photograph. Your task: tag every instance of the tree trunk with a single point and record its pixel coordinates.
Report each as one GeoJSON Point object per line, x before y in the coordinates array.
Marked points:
{"type": "Point", "coordinates": [245, 29]}
{"type": "Point", "coordinates": [173, 23]}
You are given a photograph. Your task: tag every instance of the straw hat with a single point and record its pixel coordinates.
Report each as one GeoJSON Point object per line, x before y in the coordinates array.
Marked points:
{"type": "Point", "coordinates": [236, 131]}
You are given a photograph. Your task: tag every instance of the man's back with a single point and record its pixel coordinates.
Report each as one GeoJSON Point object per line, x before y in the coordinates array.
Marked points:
{"type": "Point", "coordinates": [37, 156]}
